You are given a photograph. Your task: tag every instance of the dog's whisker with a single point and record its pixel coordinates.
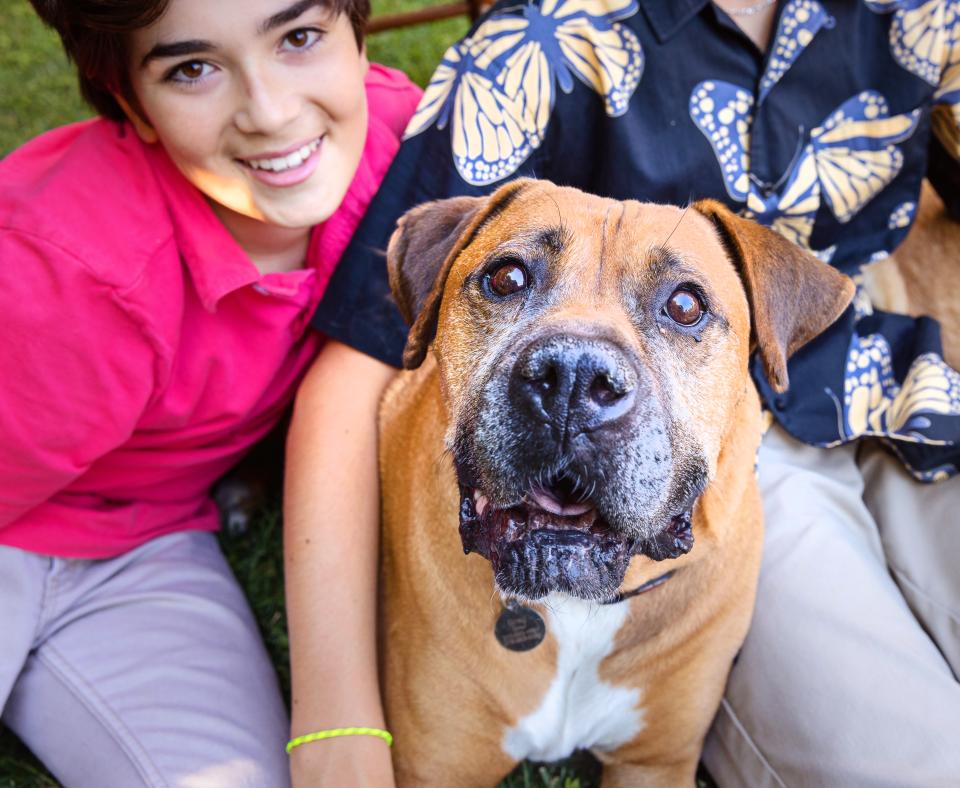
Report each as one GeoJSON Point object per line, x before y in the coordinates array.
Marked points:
{"type": "Point", "coordinates": [676, 226]}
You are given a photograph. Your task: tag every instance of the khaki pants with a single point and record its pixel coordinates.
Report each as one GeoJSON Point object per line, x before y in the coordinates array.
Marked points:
{"type": "Point", "coordinates": [849, 674]}
{"type": "Point", "coordinates": [146, 669]}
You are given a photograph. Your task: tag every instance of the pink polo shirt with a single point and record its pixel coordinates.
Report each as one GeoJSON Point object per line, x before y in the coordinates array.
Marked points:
{"type": "Point", "coordinates": [141, 352]}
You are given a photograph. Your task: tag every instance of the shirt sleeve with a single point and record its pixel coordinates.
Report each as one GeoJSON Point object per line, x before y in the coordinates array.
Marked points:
{"type": "Point", "coordinates": [77, 371]}
{"type": "Point", "coordinates": [442, 157]}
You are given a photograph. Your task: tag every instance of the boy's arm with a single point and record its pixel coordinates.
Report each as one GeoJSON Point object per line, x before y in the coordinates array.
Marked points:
{"type": "Point", "coordinates": [331, 537]}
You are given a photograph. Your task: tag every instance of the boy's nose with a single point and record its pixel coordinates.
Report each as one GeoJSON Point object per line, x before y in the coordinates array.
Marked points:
{"type": "Point", "coordinates": [265, 106]}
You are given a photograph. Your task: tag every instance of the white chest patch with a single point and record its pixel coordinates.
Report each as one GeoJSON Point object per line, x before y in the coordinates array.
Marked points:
{"type": "Point", "coordinates": [579, 710]}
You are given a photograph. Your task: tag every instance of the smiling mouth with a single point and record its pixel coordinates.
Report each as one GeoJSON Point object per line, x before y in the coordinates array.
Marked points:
{"type": "Point", "coordinates": [545, 544]}
{"type": "Point", "coordinates": [289, 161]}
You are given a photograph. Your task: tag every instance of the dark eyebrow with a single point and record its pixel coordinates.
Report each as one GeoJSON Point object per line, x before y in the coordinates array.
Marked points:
{"type": "Point", "coordinates": [197, 46]}
{"type": "Point", "coordinates": [288, 15]}
{"type": "Point", "coordinates": [177, 49]}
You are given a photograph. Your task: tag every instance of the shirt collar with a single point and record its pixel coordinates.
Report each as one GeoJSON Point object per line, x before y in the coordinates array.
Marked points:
{"type": "Point", "coordinates": [216, 262]}
{"type": "Point", "coordinates": [666, 17]}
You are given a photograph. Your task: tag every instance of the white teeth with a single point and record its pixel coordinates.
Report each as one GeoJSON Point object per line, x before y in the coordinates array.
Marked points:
{"type": "Point", "coordinates": [281, 163]}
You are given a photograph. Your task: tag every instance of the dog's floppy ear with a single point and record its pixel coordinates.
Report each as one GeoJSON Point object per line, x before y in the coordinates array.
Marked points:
{"type": "Point", "coordinates": [793, 296]}
{"type": "Point", "coordinates": [422, 250]}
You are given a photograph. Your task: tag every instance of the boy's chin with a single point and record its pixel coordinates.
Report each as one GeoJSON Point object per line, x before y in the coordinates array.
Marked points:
{"type": "Point", "coordinates": [295, 211]}
{"type": "Point", "coordinates": [301, 206]}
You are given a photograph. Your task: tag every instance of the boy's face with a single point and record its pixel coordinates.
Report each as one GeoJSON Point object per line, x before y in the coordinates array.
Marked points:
{"type": "Point", "coordinates": [260, 103]}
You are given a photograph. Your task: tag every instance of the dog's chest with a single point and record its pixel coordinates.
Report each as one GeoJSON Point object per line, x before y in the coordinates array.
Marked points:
{"type": "Point", "coordinates": [579, 710]}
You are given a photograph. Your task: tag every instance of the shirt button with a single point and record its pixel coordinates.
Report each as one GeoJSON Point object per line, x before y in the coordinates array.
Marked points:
{"type": "Point", "coordinates": [261, 289]}
{"type": "Point", "coordinates": [780, 402]}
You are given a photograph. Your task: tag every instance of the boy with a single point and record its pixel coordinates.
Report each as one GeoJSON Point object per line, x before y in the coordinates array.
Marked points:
{"type": "Point", "coordinates": [158, 268]}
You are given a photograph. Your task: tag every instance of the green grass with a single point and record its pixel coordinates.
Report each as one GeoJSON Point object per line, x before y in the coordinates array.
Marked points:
{"type": "Point", "coordinates": [38, 90]}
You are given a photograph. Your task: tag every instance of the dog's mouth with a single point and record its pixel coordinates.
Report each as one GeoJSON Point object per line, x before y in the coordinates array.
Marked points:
{"type": "Point", "coordinates": [557, 541]}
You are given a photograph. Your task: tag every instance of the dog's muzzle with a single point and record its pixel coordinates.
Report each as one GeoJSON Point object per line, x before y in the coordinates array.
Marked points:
{"type": "Point", "coordinates": [535, 551]}
{"type": "Point", "coordinates": [571, 414]}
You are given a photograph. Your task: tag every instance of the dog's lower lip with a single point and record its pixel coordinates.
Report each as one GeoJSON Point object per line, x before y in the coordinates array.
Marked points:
{"type": "Point", "coordinates": [561, 537]}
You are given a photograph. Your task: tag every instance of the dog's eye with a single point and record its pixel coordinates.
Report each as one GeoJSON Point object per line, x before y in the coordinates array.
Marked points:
{"type": "Point", "coordinates": [508, 278]}
{"type": "Point", "coordinates": [683, 307]}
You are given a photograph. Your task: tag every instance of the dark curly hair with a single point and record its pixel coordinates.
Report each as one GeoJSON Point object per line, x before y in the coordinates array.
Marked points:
{"type": "Point", "coordinates": [95, 33]}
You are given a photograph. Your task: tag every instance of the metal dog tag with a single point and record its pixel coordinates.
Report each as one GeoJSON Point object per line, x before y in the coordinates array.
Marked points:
{"type": "Point", "coordinates": [519, 628]}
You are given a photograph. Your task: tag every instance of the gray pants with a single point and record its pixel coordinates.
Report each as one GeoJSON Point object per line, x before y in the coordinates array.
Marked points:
{"type": "Point", "coordinates": [849, 675]}
{"type": "Point", "coordinates": [145, 669]}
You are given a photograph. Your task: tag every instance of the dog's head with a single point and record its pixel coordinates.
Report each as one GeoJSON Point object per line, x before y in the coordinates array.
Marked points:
{"type": "Point", "coordinates": [591, 356]}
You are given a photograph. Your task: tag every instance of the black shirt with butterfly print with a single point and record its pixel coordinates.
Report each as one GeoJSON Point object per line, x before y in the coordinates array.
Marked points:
{"type": "Point", "coordinates": [826, 138]}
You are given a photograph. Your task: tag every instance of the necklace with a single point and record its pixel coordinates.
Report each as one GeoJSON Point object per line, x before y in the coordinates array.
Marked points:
{"type": "Point", "coordinates": [749, 10]}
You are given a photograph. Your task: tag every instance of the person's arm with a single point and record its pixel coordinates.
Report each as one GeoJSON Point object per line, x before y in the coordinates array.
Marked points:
{"type": "Point", "coordinates": [331, 538]}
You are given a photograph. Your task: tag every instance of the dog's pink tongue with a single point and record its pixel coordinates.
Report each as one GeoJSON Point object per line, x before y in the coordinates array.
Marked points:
{"type": "Point", "coordinates": [550, 503]}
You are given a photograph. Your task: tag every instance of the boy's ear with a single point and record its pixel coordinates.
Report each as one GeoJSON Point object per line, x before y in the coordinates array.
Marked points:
{"type": "Point", "coordinates": [793, 295]}
{"type": "Point", "coordinates": [143, 128]}
{"type": "Point", "coordinates": [423, 249]}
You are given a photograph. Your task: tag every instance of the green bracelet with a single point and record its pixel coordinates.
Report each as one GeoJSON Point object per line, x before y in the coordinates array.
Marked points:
{"type": "Point", "coordinates": [334, 732]}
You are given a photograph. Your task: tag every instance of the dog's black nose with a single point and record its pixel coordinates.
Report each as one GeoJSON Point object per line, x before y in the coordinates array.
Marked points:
{"type": "Point", "coordinates": [578, 384]}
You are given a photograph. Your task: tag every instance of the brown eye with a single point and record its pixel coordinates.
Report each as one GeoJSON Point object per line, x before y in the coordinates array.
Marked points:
{"type": "Point", "coordinates": [192, 70]}
{"type": "Point", "coordinates": [302, 38]}
{"type": "Point", "coordinates": [298, 38]}
{"type": "Point", "coordinates": [508, 279]}
{"type": "Point", "coordinates": [683, 307]}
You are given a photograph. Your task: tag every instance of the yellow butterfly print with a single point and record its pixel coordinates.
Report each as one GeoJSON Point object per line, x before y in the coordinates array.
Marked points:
{"type": "Point", "coordinates": [922, 34]}
{"type": "Point", "coordinates": [874, 404]}
{"type": "Point", "coordinates": [496, 89]}
{"type": "Point", "coordinates": [797, 206]}
{"type": "Point", "coordinates": [855, 151]}
{"type": "Point", "coordinates": [848, 159]}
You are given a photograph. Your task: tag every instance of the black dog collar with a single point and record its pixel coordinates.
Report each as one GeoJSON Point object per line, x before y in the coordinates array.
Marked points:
{"type": "Point", "coordinates": [650, 584]}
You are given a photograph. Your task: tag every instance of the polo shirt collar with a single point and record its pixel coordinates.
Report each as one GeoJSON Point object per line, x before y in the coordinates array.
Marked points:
{"type": "Point", "coordinates": [667, 17]}
{"type": "Point", "coordinates": [216, 262]}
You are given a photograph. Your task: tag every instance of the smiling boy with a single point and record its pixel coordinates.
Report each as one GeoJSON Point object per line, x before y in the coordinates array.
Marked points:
{"type": "Point", "coordinates": [158, 267]}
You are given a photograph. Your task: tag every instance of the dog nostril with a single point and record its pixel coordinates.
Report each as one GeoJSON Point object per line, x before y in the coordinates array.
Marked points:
{"type": "Point", "coordinates": [545, 380]}
{"type": "Point", "coordinates": [549, 380]}
{"type": "Point", "coordinates": [603, 392]}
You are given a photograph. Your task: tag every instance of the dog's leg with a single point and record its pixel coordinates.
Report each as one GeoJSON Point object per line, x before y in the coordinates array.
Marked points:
{"type": "Point", "coordinates": [440, 762]}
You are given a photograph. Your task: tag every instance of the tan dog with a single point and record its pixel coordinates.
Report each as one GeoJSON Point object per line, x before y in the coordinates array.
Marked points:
{"type": "Point", "coordinates": [586, 412]}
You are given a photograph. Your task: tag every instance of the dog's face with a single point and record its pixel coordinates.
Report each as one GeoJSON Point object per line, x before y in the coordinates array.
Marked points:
{"type": "Point", "coordinates": [591, 355]}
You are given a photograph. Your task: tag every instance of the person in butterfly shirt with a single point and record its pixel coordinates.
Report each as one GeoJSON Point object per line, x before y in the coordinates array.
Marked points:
{"type": "Point", "coordinates": [816, 117]}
